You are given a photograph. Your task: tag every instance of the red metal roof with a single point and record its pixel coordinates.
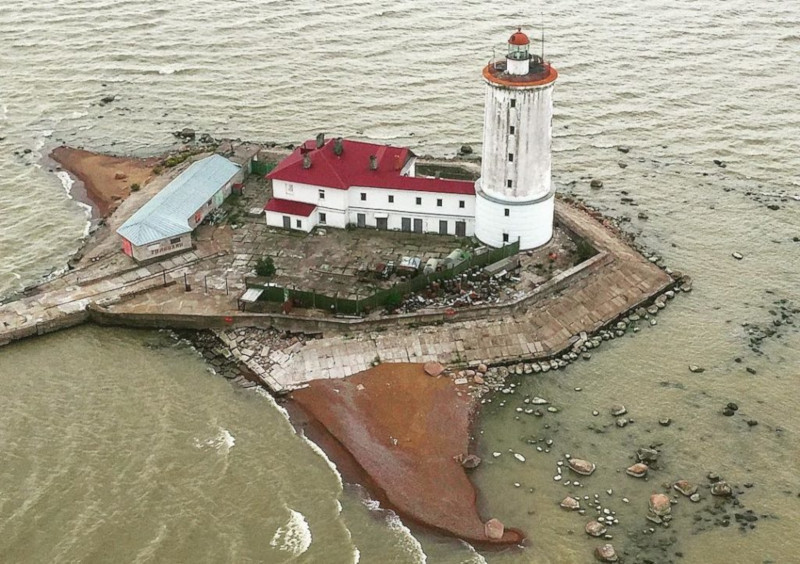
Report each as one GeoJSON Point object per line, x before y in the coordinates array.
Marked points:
{"type": "Point", "coordinates": [519, 38]}
{"type": "Point", "coordinates": [290, 207]}
{"type": "Point", "coordinates": [352, 169]}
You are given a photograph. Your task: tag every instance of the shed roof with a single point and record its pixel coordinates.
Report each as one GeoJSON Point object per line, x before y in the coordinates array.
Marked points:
{"type": "Point", "coordinates": [167, 213]}
{"type": "Point", "coordinates": [290, 207]}
{"type": "Point", "coordinates": [352, 169]}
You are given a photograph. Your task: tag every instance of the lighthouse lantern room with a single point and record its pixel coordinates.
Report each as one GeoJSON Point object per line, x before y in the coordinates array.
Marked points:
{"type": "Point", "coordinates": [514, 197]}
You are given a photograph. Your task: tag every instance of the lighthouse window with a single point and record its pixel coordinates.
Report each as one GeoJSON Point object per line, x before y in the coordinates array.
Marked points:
{"type": "Point", "coordinates": [513, 103]}
{"type": "Point", "coordinates": [509, 183]}
{"type": "Point", "coordinates": [507, 212]}
{"type": "Point", "coordinates": [511, 157]}
{"type": "Point", "coordinates": [512, 129]}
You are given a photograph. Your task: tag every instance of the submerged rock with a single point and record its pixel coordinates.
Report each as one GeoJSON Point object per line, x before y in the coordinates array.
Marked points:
{"type": "Point", "coordinates": [721, 489]}
{"type": "Point", "coordinates": [494, 529]}
{"type": "Point", "coordinates": [570, 503]}
{"type": "Point", "coordinates": [606, 553]}
{"type": "Point", "coordinates": [618, 409]}
{"type": "Point", "coordinates": [595, 529]}
{"type": "Point", "coordinates": [660, 504]}
{"type": "Point", "coordinates": [638, 470]}
{"type": "Point", "coordinates": [582, 467]}
{"type": "Point", "coordinates": [469, 461]}
{"type": "Point", "coordinates": [684, 487]}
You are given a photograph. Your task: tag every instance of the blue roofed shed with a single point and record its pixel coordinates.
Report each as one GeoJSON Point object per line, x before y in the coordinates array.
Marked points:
{"type": "Point", "coordinates": [164, 224]}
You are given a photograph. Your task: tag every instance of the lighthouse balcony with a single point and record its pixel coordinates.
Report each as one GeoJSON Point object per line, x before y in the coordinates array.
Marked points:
{"type": "Point", "coordinates": [540, 73]}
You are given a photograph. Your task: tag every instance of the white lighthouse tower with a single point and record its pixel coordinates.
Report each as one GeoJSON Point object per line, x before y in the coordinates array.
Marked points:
{"type": "Point", "coordinates": [514, 195]}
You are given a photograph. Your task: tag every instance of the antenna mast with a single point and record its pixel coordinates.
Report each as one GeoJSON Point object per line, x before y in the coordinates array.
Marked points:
{"type": "Point", "coordinates": [542, 37]}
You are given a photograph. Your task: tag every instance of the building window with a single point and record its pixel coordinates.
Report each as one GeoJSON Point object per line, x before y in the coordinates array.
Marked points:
{"type": "Point", "coordinates": [511, 157]}
{"type": "Point", "coordinates": [513, 103]}
{"type": "Point", "coordinates": [298, 223]}
{"type": "Point", "coordinates": [512, 130]}
{"type": "Point", "coordinates": [505, 237]}
{"type": "Point", "coordinates": [507, 212]}
{"type": "Point", "coordinates": [419, 201]}
{"type": "Point", "coordinates": [322, 218]}
{"type": "Point", "coordinates": [363, 196]}
{"type": "Point", "coordinates": [391, 199]}
{"type": "Point", "coordinates": [438, 202]}
{"type": "Point", "coordinates": [290, 188]}
{"type": "Point", "coordinates": [175, 241]}
{"type": "Point", "coordinates": [509, 183]}
{"type": "Point", "coordinates": [322, 194]}
{"type": "Point", "coordinates": [461, 204]}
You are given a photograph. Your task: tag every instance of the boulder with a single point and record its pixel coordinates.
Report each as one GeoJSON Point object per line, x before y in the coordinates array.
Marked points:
{"type": "Point", "coordinates": [119, 175]}
{"type": "Point", "coordinates": [606, 553]}
{"type": "Point", "coordinates": [721, 489]}
{"type": "Point", "coordinates": [696, 369]}
{"type": "Point", "coordinates": [433, 368]}
{"type": "Point", "coordinates": [582, 467]}
{"type": "Point", "coordinates": [494, 529]}
{"type": "Point", "coordinates": [684, 487]}
{"type": "Point", "coordinates": [595, 528]}
{"type": "Point", "coordinates": [660, 504]}
{"type": "Point", "coordinates": [465, 150]}
{"type": "Point", "coordinates": [469, 461]}
{"type": "Point", "coordinates": [478, 379]}
{"type": "Point", "coordinates": [596, 183]}
{"type": "Point", "coordinates": [638, 470]}
{"type": "Point", "coordinates": [623, 149]}
{"type": "Point", "coordinates": [482, 368]}
{"type": "Point", "coordinates": [618, 409]}
{"type": "Point", "coordinates": [647, 455]}
{"type": "Point", "coordinates": [570, 503]}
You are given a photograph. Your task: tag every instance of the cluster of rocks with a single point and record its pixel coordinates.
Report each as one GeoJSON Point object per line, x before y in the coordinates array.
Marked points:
{"type": "Point", "coordinates": [783, 314]}
{"type": "Point", "coordinates": [187, 135]}
{"type": "Point", "coordinates": [471, 288]}
{"type": "Point", "coordinates": [246, 355]}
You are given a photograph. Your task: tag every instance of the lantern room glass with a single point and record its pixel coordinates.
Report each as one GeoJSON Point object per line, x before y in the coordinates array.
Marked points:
{"type": "Point", "coordinates": [518, 52]}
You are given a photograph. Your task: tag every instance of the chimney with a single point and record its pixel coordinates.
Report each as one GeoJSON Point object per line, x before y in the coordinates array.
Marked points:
{"type": "Point", "coordinates": [306, 161]}
{"type": "Point", "coordinates": [320, 140]}
{"type": "Point", "coordinates": [338, 146]}
{"type": "Point", "coordinates": [373, 162]}
{"type": "Point", "coordinates": [398, 164]}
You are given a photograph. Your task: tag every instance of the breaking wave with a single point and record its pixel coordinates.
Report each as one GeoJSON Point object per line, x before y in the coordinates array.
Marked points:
{"type": "Point", "coordinates": [294, 537]}
{"type": "Point", "coordinates": [223, 442]}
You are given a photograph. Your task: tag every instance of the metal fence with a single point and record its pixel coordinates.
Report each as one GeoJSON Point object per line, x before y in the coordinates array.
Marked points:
{"type": "Point", "coordinates": [382, 298]}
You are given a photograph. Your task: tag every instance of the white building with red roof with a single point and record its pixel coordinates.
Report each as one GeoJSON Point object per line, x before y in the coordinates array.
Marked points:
{"type": "Point", "coordinates": [339, 182]}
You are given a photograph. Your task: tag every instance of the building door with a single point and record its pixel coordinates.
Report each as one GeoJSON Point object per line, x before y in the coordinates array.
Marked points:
{"type": "Point", "coordinates": [417, 226]}
{"type": "Point", "coordinates": [405, 224]}
{"type": "Point", "coordinates": [461, 228]}
{"type": "Point", "coordinates": [361, 220]}
{"type": "Point", "coordinates": [382, 223]}
{"type": "Point", "coordinates": [442, 227]}
{"type": "Point", "coordinates": [287, 222]}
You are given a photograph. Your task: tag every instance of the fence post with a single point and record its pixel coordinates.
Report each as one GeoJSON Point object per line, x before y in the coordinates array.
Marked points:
{"type": "Point", "coordinates": [226, 285]}
{"type": "Point", "coordinates": [205, 282]}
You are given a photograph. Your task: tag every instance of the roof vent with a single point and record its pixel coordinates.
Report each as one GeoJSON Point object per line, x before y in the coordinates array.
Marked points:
{"type": "Point", "coordinates": [398, 164]}
{"type": "Point", "coordinates": [306, 161]}
{"type": "Point", "coordinates": [373, 162]}
{"type": "Point", "coordinates": [338, 146]}
{"type": "Point", "coordinates": [320, 140]}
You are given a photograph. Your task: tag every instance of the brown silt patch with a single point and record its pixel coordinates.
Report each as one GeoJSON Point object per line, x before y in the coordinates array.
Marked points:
{"type": "Point", "coordinates": [402, 430]}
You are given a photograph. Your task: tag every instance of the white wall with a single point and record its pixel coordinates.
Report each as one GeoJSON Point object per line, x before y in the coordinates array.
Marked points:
{"type": "Point", "coordinates": [531, 223]}
{"type": "Point", "coordinates": [275, 219]}
{"type": "Point", "coordinates": [163, 247]}
{"type": "Point", "coordinates": [531, 118]}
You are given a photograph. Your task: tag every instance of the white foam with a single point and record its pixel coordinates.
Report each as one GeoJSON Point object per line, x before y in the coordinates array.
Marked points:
{"type": "Point", "coordinates": [295, 536]}
{"type": "Point", "coordinates": [356, 555]}
{"type": "Point", "coordinates": [67, 182]}
{"type": "Point", "coordinates": [475, 557]}
{"type": "Point", "coordinates": [407, 540]}
{"type": "Point", "coordinates": [223, 442]}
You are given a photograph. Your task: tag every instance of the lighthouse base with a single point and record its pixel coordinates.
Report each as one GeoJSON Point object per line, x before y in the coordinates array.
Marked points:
{"type": "Point", "coordinates": [529, 222]}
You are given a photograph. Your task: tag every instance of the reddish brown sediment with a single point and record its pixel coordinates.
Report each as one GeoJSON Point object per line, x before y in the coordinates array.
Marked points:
{"type": "Point", "coordinates": [99, 173]}
{"type": "Point", "coordinates": [399, 431]}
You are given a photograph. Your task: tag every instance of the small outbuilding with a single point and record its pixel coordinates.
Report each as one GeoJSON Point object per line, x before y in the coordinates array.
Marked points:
{"type": "Point", "coordinates": [164, 225]}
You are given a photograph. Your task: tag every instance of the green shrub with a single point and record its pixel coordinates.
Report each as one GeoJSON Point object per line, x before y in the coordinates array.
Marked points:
{"type": "Point", "coordinates": [584, 250]}
{"type": "Point", "coordinates": [158, 170]}
{"type": "Point", "coordinates": [265, 267]}
{"type": "Point", "coordinates": [392, 301]}
{"type": "Point", "coordinates": [135, 187]}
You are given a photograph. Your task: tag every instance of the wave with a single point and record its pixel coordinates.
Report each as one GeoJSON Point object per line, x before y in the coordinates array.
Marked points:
{"type": "Point", "coordinates": [295, 536]}
{"type": "Point", "coordinates": [406, 540]}
{"type": "Point", "coordinates": [223, 442]}
{"type": "Point", "coordinates": [67, 182]}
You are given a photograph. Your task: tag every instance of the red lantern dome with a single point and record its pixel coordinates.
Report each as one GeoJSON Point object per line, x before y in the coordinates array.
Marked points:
{"type": "Point", "coordinates": [519, 38]}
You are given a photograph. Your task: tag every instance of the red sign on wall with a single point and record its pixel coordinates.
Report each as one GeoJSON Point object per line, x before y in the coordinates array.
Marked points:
{"type": "Point", "coordinates": [126, 247]}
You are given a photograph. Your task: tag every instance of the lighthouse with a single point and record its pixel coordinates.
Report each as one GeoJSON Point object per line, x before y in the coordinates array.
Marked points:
{"type": "Point", "coordinates": [514, 195]}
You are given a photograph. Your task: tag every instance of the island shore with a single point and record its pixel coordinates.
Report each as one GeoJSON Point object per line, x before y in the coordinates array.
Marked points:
{"type": "Point", "coordinates": [400, 433]}
{"type": "Point", "coordinates": [105, 180]}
